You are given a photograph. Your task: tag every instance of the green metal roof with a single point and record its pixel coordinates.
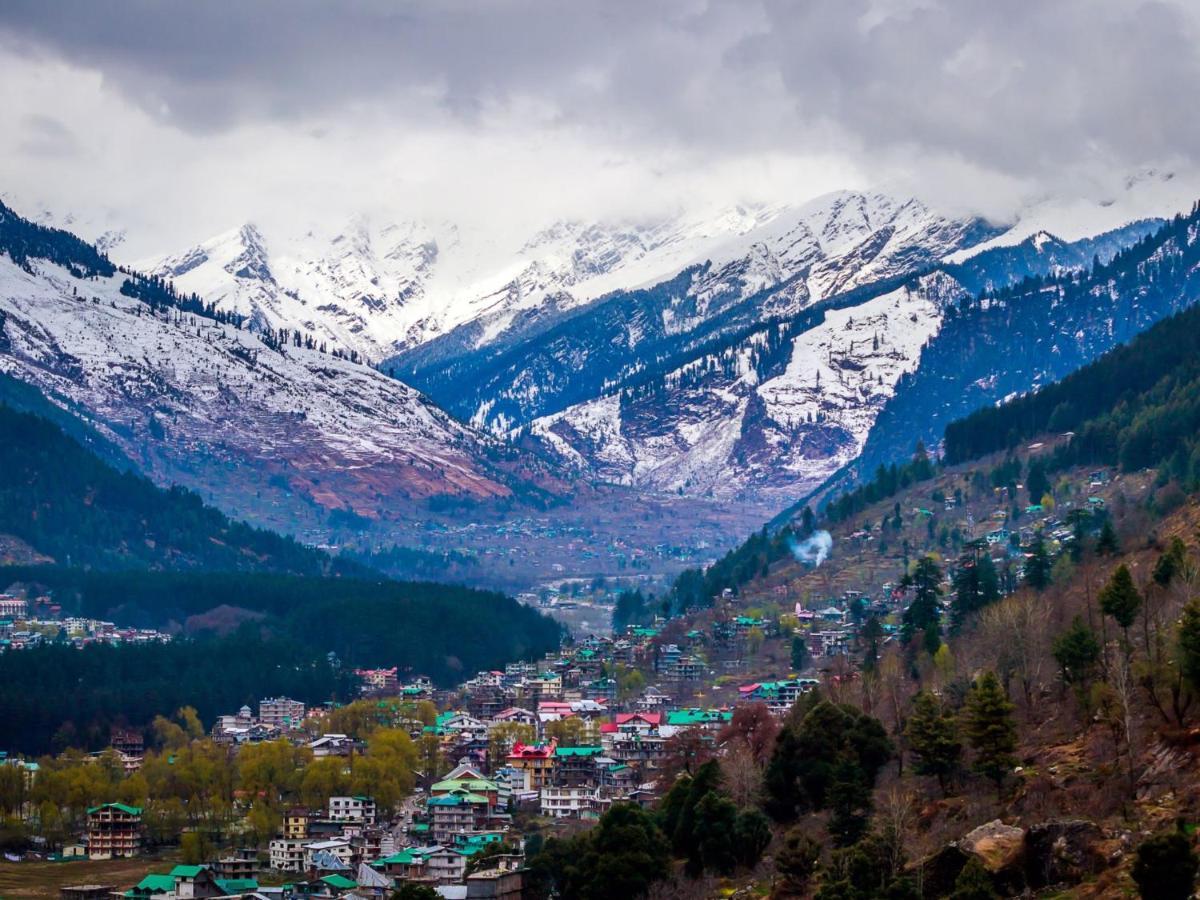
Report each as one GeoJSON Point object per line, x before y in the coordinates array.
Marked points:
{"type": "Point", "coordinates": [125, 808]}
{"type": "Point", "coordinates": [155, 883]}
{"type": "Point", "coordinates": [339, 881]}
{"type": "Point", "coordinates": [697, 716]}
{"type": "Point", "coordinates": [186, 871]}
{"type": "Point", "coordinates": [578, 751]}
{"type": "Point", "coordinates": [237, 884]}
{"type": "Point", "coordinates": [404, 857]}
{"type": "Point", "coordinates": [466, 784]}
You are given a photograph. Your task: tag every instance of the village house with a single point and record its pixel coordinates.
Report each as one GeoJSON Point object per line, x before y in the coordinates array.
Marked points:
{"type": "Point", "coordinates": [378, 681]}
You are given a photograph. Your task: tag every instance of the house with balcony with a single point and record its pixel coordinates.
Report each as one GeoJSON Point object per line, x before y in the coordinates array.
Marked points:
{"type": "Point", "coordinates": [114, 830]}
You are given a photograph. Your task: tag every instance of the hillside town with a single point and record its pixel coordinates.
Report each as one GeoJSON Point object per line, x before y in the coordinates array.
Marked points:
{"type": "Point", "coordinates": [544, 747]}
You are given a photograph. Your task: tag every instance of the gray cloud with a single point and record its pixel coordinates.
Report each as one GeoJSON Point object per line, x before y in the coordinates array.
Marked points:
{"type": "Point", "coordinates": [958, 95]}
{"type": "Point", "coordinates": [45, 136]}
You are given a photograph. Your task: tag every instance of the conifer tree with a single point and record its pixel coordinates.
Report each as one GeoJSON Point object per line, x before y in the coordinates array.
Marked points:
{"type": "Point", "coordinates": [933, 736]}
{"type": "Point", "coordinates": [1107, 544]}
{"type": "Point", "coordinates": [1165, 867]}
{"type": "Point", "coordinates": [989, 728]}
{"type": "Point", "coordinates": [1120, 599]}
{"type": "Point", "coordinates": [1189, 644]}
{"type": "Point", "coordinates": [974, 883]}
{"type": "Point", "coordinates": [1037, 567]}
{"type": "Point", "coordinates": [1076, 651]}
{"type": "Point", "coordinates": [1036, 482]}
{"type": "Point", "coordinates": [925, 609]}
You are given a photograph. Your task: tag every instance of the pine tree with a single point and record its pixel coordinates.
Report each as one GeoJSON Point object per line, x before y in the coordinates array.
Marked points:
{"type": "Point", "coordinates": [1165, 867]}
{"type": "Point", "coordinates": [799, 654]}
{"type": "Point", "coordinates": [1036, 482]}
{"type": "Point", "coordinates": [1170, 563]}
{"type": "Point", "coordinates": [989, 728]}
{"type": "Point", "coordinates": [797, 860]}
{"type": "Point", "coordinates": [933, 735]}
{"type": "Point", "coordinates": [925, 609]}
{"type": "Point", "coordinates": [1107, 544]}
{"type": "Point", "coordinates": [974, 882]}
{"type": "Point", "coordinates": [1077, 651]}
{"type": "Point", "coordinates": [1037, 567]}
{"type": "Point", "coordinates": [850, 804]}
{"type": "Point", "coordinates": [1189, 644]}
{"type": "Point", "coordinates": [871, 635]}
{"type": "Point", "coordinates": [1120, 599]}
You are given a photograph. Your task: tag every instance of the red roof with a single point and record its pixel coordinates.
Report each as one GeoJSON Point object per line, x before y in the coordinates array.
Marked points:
{"type": "Point", "coordinates": [533, 751]}
{"type": "Point", "coordinates": [608, 728]}
{"type": "Point", "coordinates": [654, 719]}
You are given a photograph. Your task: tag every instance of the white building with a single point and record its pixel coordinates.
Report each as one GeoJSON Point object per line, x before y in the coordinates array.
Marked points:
{"type": "Point", "coordinates": [352, 809]}
{"type": "Point", "coordinates": [288, 854]}
{"type": "Point", "coordinates": [567, 802]}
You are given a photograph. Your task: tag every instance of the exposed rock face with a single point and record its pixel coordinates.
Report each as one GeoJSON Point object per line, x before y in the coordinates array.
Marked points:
{"type": "Point", "coordinates": [1064, 852]}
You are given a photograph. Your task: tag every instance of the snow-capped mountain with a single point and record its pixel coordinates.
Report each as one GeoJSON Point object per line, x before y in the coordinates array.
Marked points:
{"type": "Point", "coordinates": [357, 289]}
{"type": "Point", "coordinates": [768, 416]}
{"type": "Point", "coordinates": [771, 413]}
{"type": "Point", "coordinates": [559, 355]}
{"type": "Point", "coordinates": [197, 401]}
{"type": "Point", "coordinates": [380, 289]}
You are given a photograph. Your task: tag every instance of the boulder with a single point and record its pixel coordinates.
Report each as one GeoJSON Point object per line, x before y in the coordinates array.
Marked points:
{"type": "Point", "coordinates": [1000, 847]}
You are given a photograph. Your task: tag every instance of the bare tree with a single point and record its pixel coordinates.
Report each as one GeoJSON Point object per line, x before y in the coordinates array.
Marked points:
{"type": "Point", "coordinates": [1017, 628]}
{"type": "Point", "coordinates": [742, 775]}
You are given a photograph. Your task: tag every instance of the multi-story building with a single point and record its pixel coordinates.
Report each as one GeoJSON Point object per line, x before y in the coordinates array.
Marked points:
{"type": "Point", "coordinates": [281, 712]}
{"type": "Point", "coordinates": [576, 766]}
{"type": "Point", "coordinates": [458, 813]}
{"type": "Point", "coordinates": [568, 802]}
{"type": "Point", "coordinates": [287, 854]}
{"type": "Point", "coordinates": [241, 865]}
{"type": "Point", "coordinates": [13, 607]}
{"type": "Point", "coordinates": [295, 823]}
{"type": "Point", "coordinates": [535, 761]}
{"type": "Point", "coordinates": [378, 681]}
{"type": "Point", "coordinates": [114, 829]}
{"type": "Point", "coordinates": [352, 809]}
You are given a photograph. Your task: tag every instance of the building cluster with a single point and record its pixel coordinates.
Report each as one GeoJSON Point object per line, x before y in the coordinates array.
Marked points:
{"type": "Point", "coordinates": [28, 622]}
{"type": "Point", "coordinates": [277, 716]}
{"type": "Point", "coordinates": [562, 739]}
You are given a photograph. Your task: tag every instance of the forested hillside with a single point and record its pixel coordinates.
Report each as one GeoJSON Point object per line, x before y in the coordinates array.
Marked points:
{"type": "Point", "coordinates": [366, 622]}
{"type": "Point", "coordinates": [1137, 406]}
{"type": "Point", "coordinates": [59, 696]}
{"type": "Point", "coordinates": [1006, 342]}
{"type": "Point", "coordinates": [66, 502]}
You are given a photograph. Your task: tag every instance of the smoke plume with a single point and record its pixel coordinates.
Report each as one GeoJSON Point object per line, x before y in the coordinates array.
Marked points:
{"type": "Point", "coordinates": [814, 550]}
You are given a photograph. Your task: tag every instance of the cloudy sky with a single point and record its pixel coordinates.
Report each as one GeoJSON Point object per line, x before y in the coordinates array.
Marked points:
{"type": "Point", "coordinates": [178, 120]}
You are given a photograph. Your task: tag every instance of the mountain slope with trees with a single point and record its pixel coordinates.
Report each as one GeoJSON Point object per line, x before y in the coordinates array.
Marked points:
{"type": "Point", "coordinates": [1007, 342]}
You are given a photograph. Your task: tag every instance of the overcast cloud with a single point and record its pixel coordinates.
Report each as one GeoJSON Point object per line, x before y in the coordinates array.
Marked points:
{"type": "Point", "coordinates": [185, 118]}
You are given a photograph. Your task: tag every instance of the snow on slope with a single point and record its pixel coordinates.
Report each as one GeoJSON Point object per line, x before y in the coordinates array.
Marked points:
{"type": "Point", "coordinates": [354, 289]}
{"type": "Point", "coordinates": [379, 290]}
{"type": "Point", "coordinates": [208, 405]}
{"type": "Point", "coordinates": [740, 436]}
{"type": "Point", "coordinates": [1149, 194]}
